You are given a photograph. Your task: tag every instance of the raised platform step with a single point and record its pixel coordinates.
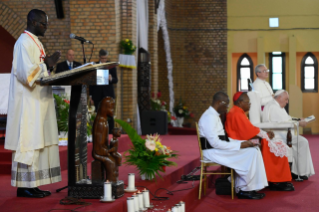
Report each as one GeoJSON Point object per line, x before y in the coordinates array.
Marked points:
{"type": "Point", "coordinates": [5, 167]}
{"type": "Point", "coordinates": [6, 155]}
{"type": "Point", "coordinates": [187, 161]}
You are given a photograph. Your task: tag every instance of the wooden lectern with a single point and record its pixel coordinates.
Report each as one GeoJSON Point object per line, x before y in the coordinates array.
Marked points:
{"type": "Point", "coordinates": [79, 184]}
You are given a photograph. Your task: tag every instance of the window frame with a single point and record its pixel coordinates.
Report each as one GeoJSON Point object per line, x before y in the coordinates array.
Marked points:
{"type": "Point", "coordinates": [302, 72]}
{"type": "Point", "coordinates": [251, 66]}
{"type": "Point", "coordinates": [283, 68]}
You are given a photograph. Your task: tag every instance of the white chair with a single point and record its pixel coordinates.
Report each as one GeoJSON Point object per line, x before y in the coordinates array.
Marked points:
{"type": "Point", "coordinates": [255, 117]}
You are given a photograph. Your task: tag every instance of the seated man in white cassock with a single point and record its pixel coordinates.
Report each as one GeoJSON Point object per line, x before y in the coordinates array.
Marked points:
{"type": "Point", "coordinates": [274, 111]}
{"type": "Point", "coordinates": [242, 156]}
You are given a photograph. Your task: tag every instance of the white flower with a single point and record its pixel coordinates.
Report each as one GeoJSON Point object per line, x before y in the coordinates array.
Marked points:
{"type": "Point", "coordinates": [150, 144]}
{"type": "Point", "coordinates": [180, 111]}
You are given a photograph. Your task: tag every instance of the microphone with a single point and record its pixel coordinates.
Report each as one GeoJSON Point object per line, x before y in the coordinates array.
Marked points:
{"type": "Point", "coordinates": [73, 36]}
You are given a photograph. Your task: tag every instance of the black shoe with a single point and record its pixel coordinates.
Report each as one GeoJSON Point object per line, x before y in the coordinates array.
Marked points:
{"type": "Point", "coordinates": [248, 195]}
{"type": "Point", "coordinates": [46, 193]}
{"type": "Point", "coordinates": [28, 192]}
{"type": "Point", "coordinates": [260, 194]}
{"type": "Point", "coordinates": [294, 176]}
{"type": "Point", "coordinates": [281, 186]}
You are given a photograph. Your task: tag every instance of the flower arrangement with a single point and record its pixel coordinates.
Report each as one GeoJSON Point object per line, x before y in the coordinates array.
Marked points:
{"type": "Point", "coordinates": [182, 111]}
{"type": "Point", "coordinates": [149, 155]}
{"type": "Point", "coordinates": [157, 104]}
{"type": "Point", "coordinates": [62, 112]}
{"type": "Point", "coordinates": [127, 46]}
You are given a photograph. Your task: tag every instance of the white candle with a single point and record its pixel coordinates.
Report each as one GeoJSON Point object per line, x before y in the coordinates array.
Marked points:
{"type": "Point", "coordinates": [131, 181]}
{"type": "Point", "coordinates": [146, 196]}
{"type": "Point", "coordinates": [140, 201]}
{"type": "Point", "coordinates": [130, 204]}
{"type": "Point", "coordinates": [183, 206]}
{"type": "Point", "coordinates": [169, 210]}
{"type": "Point", "coordinates": [136, 202]}
{"type": "Point", "coordinates": [174, 209]}
{"type": "Point", "coordinates": [107, 191]}
{"type": "Point", "coordinates": [178, 208]}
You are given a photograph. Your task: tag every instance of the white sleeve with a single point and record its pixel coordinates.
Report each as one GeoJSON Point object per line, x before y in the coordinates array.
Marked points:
{"type": "Point", "coordinates": [26, 69]}
{"type": "Point", "coordinates": [208, 126]}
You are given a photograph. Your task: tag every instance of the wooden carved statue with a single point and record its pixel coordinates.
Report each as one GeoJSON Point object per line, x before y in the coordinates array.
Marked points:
{"type": "Point", "coordinates": [100, 140]}
{"type": "Point", "coordinates": [113, 150]}
{"type": "Point", "coordinates": [114, 146]}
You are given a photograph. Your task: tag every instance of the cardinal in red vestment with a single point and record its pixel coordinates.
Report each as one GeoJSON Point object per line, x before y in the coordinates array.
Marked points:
{"type": "Point", "coordinates": [274, 154]}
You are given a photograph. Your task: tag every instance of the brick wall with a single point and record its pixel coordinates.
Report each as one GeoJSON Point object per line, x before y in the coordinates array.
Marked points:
{"type": "Point", "coordinates": [13, 18]}
{"type": "Point", "coordinates": [199, 52]}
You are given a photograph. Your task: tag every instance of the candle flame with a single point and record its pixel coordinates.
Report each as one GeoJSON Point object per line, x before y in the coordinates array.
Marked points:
{"type": "Point", "coordinates": [107, 181]}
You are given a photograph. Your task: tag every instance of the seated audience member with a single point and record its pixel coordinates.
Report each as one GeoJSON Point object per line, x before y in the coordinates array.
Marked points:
{"type": "Point", "coordinates": [274, 152]}
{"type": "Point", "coordinates": [275, 111]}
{"type": "Point", "coordinates": [242, 156]}
{"type": "Point", "coordinates": [68, 64]}
{"type": "Point", "coordinates": [261, 85]}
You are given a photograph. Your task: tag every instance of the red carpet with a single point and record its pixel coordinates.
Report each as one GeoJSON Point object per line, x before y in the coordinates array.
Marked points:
{"type": "Point", "coordinates": [188, 160]}
{"type": "Point", "coordinates": [304, 198]}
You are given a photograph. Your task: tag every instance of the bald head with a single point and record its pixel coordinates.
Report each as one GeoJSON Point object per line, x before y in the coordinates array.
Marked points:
{"type": "Point", "coordinates": [70, 55]}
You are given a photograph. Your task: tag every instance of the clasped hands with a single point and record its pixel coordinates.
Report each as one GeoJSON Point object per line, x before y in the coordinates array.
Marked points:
{"type": "Point", "coordinates": [249, 143]}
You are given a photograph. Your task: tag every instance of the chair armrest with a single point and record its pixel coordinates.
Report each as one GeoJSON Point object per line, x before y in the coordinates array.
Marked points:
{"type": "Point", "coordinates": [268, 125]}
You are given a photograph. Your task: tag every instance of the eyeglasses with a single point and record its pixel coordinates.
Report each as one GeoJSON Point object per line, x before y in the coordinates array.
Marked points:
{"type": "Point", "coordinates": [264, 71]}
{"type": "Point", "coordinates": [43, 24]}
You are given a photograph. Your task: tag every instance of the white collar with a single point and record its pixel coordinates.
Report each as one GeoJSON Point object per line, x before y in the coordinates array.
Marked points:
{"type": "Point", "coordinates": [277, 104]}
{"type": "Point", "coordinates": [30, 33]}
{"type": "Point", "coordinates": [213, 111]}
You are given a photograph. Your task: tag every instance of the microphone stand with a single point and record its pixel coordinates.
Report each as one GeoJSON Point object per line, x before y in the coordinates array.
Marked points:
{"type": "Point", "coordinates": [84, 58]}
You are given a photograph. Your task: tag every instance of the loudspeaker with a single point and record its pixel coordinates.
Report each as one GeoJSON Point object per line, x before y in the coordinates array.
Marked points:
{"type": "Point", "coordinates": [59, 9]}
{"type": "Point", "coordinates": [154, 122]}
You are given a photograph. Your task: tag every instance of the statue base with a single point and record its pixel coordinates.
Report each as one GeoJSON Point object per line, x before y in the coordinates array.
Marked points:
{"type": "Point", "coordinates": [118, 189]}
{"type": "Point", "coordinates": [95, 191]}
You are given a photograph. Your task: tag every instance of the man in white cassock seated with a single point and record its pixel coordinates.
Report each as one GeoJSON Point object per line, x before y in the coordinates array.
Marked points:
{"type": "Point", "coordinates": [242, 156]}
{"type": "Point", "coordinates": [31, 131]}
{"type": "Point", "coordinates": [261, 86]}
{"type": "Point", "coordinates": [274, 112]}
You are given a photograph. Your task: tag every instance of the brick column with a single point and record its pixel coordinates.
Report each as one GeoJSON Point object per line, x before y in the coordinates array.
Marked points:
{"type": "Point", "coordinates": [129, 76]}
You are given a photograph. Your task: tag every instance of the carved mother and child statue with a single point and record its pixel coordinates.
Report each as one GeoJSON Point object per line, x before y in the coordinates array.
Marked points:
{"type": "Point", "coordinates": [107, 159]}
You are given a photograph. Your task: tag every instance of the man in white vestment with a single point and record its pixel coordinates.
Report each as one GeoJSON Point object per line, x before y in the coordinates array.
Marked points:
{"type": "Point", "coordinates": [261, 85]}
{"type": "Point", "coordinates": [242, 156]}
{"type": "Point", "coordinates": [31, 131]}
{"type": "Point", "coordinates": [275, 112]}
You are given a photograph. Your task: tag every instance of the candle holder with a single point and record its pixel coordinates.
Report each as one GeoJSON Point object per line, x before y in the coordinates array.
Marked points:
{"type": "Point", "coordinates": [183, 206]}
{"type": "Point", "coordinates": [131, 183]}
{"type": "Point", "coordinates": [130, 204]}
{"type": "Point", "coordinates": [107, 197]}
{"type": "Point", "coordinates": [141, 201]}
{"type": "Point", "coordinates": [136, 202]}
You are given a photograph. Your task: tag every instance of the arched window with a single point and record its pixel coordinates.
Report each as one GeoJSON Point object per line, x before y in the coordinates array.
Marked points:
{"type": "Point", "coordinates": [277, 70]}
{"type": "Point", "coordinates": [309, 73]}
{"type": "Point", "coordinates": [244, 71]}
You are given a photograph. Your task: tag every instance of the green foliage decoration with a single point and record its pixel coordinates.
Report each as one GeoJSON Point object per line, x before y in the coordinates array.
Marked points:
{"type": "Point", "coordinates": [147, 162]}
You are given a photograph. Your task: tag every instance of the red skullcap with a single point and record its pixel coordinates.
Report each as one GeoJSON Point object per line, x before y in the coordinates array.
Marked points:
{"type": "Point", "coordinates": [237, 95]}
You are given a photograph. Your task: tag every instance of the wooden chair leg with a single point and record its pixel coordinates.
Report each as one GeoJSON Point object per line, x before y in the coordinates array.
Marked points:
{"type": "Point", "coordinates": [200, 181]}
{"type": "Point", "coordinates": [205, 180]}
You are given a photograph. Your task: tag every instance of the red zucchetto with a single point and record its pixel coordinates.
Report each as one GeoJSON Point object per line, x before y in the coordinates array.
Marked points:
{"type": "Point", "coordinates": [237, 95]}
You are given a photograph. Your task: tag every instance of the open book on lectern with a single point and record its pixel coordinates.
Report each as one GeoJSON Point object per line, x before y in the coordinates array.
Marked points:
{"type": "Point", "coordinates": [89, 74]}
